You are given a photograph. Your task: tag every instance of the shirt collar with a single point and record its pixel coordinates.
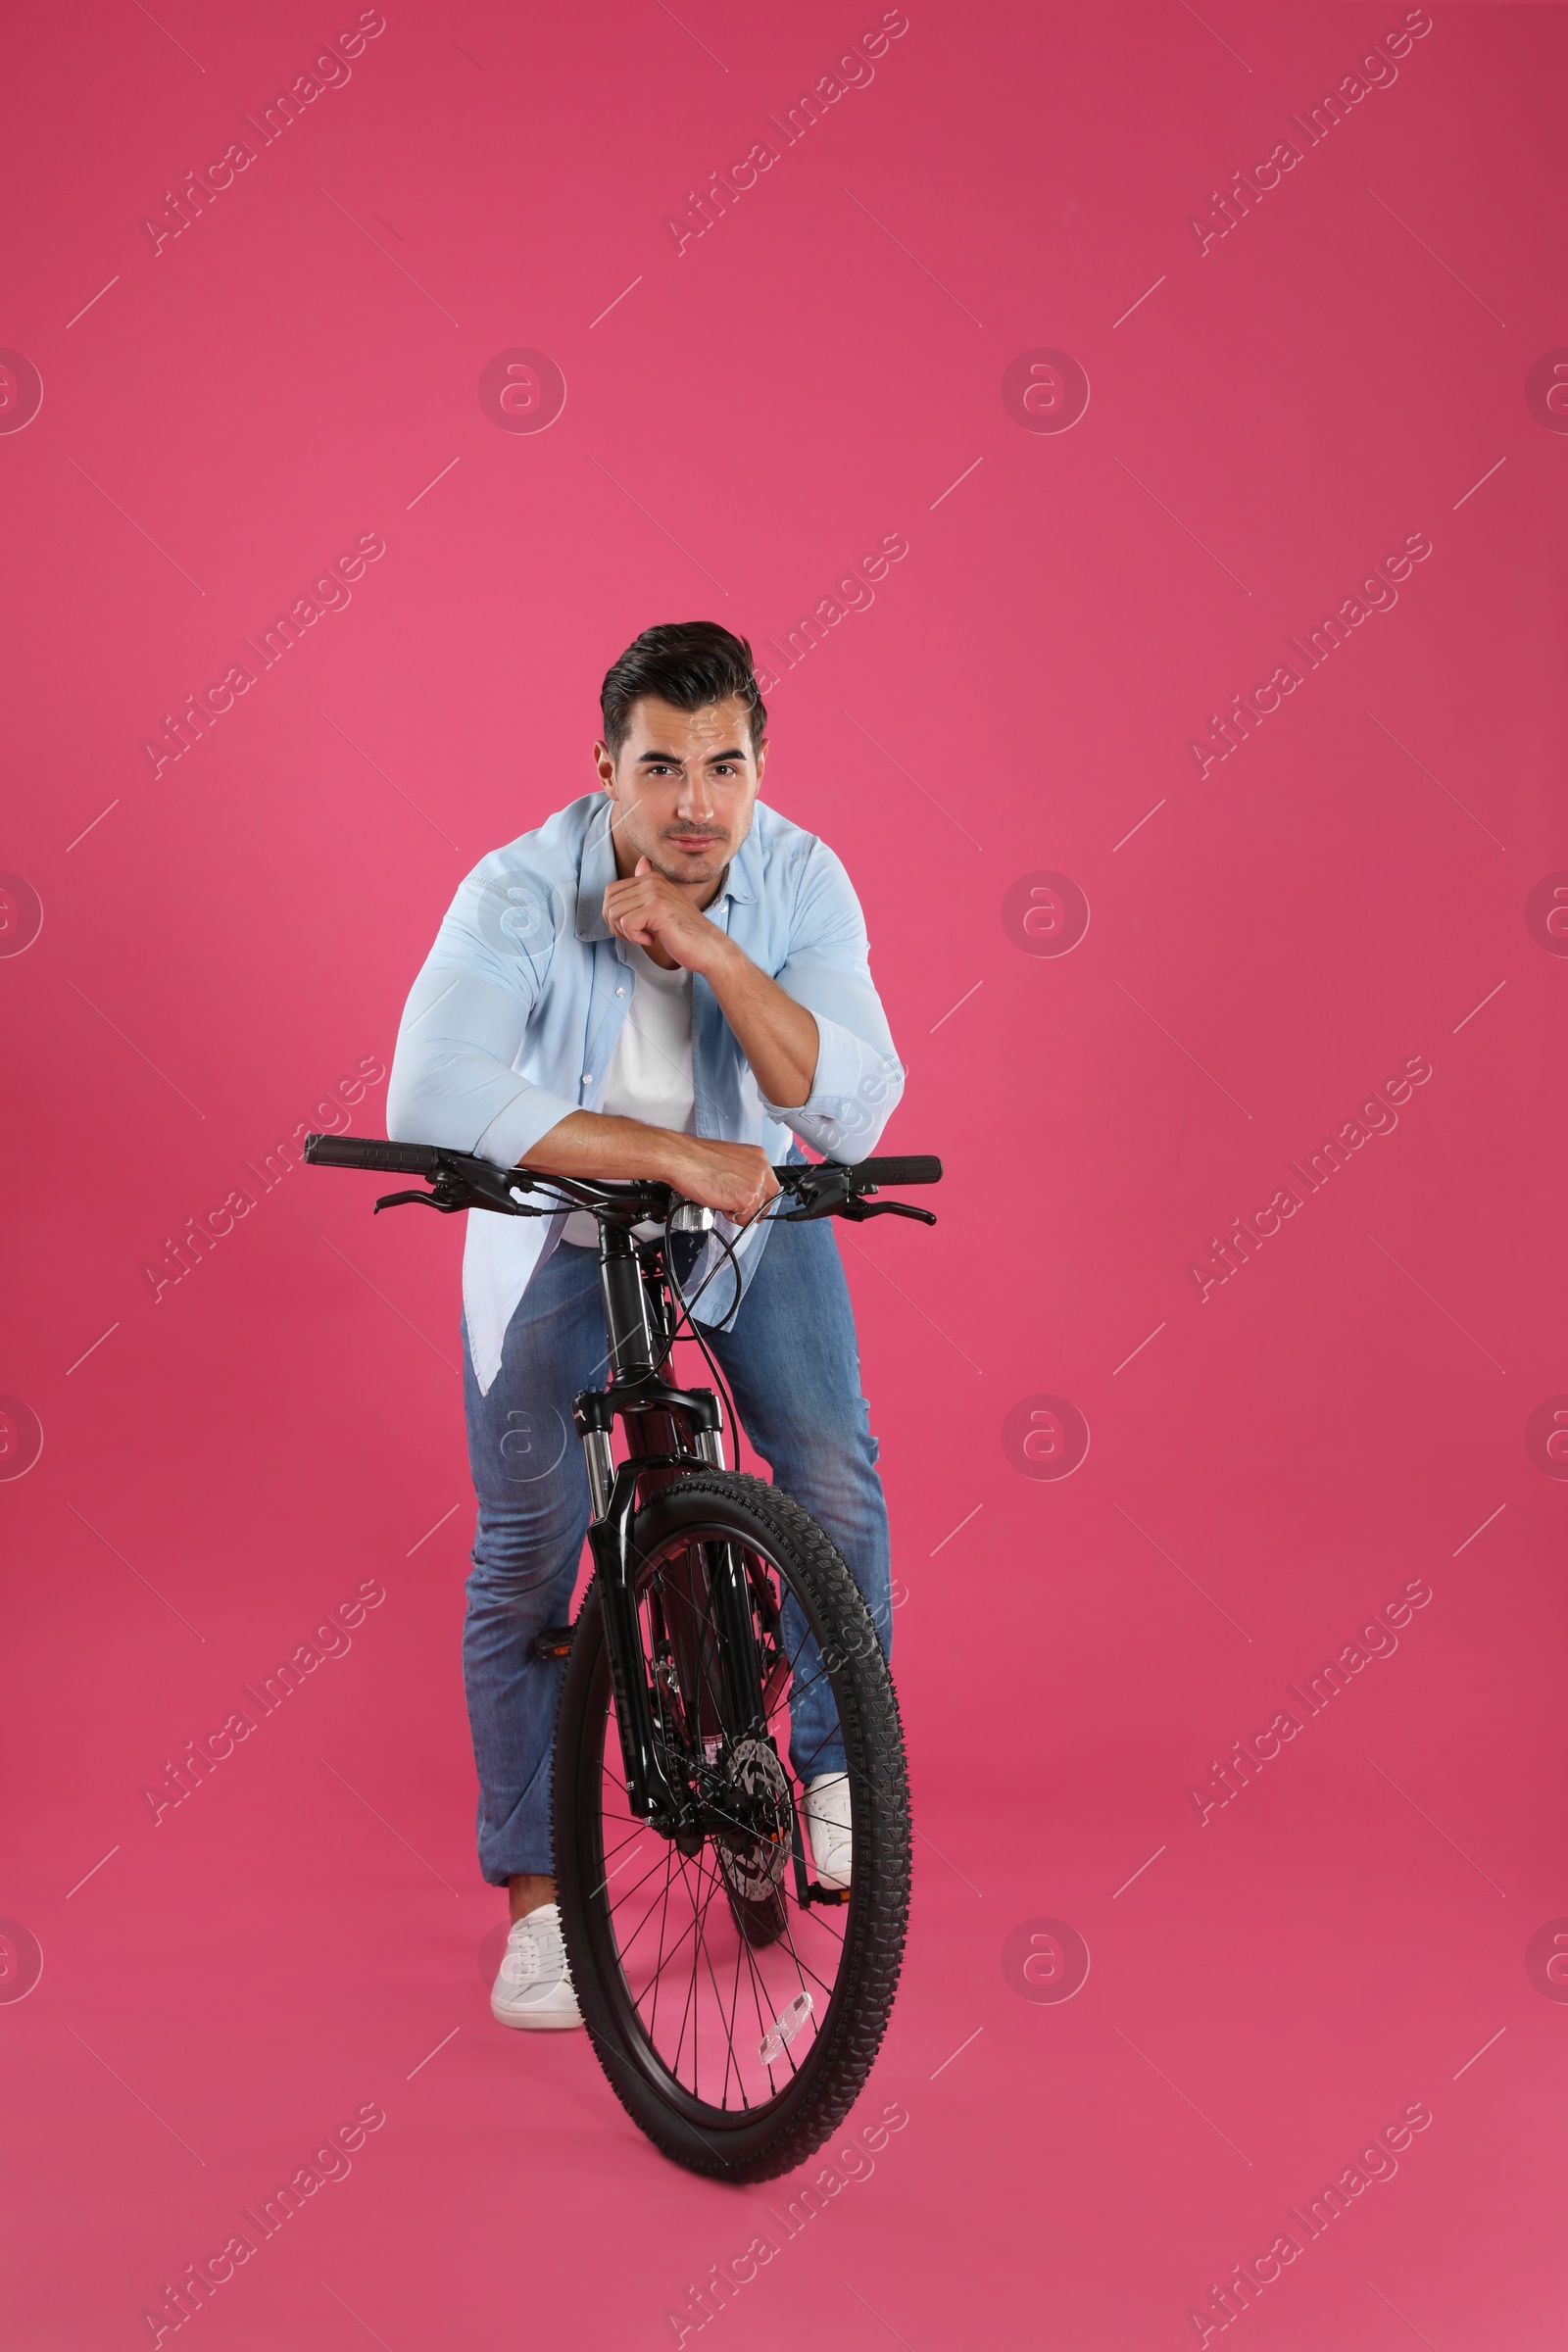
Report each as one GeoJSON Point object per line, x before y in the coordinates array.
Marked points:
{"type": "Point", "coordinates": [597, 871]}
{"type": "Point", "coordinates": [595, 874]}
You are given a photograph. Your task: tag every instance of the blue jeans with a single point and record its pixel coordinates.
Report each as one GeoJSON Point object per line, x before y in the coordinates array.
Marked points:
{"type": "Point", "coordinates": [793, 1367]}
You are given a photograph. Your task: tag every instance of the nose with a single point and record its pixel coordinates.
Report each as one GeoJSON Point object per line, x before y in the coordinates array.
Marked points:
{"type": "Point", "coordinates": [695, 802]}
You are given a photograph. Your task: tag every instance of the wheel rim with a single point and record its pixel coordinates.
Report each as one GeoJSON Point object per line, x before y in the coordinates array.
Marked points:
{"type": "Point", "coordinates": [723, 2022]}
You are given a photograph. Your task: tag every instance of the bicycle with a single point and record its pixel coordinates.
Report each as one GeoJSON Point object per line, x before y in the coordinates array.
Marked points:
{"type": "Point", "coordinates": [716, 1603]}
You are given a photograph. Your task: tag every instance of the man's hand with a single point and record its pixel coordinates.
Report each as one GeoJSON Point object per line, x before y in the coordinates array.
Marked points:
{"type": "Point", "coordinates": [653, 912]}
{"type": "Point", "coordinates": [734, 1178]}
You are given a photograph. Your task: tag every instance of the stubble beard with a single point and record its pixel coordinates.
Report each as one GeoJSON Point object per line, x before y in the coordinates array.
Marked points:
{"type": "Point", "coordinates": [713, 866]}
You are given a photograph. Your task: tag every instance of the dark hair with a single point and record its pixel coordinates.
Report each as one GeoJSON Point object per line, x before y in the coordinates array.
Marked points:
{"type": "Point", "coordinates": [687, 663]}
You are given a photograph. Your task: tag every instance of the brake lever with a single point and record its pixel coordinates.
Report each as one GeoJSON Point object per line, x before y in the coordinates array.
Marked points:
{"type": "Point", "coordinates": [858, 1211]}
{"type": "Point", "coordinates": [830, 1197]}
{"type": "Point", "coordinates": [447, 1208]}
{"type": "Point", "coordinates": [448, 1194]}
{"type": "Point", "coordinates": [817, 1191]}
{"type": "Point", "coordinates": [823, 1200]}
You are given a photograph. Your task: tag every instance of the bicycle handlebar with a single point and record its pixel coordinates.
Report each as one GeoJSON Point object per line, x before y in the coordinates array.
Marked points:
{"type": "Point", "coordinates": [826, 1188]}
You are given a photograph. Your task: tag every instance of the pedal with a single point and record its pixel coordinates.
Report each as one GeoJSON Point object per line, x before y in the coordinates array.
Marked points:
{"type": "Point", "coordinates": [554, 1642]}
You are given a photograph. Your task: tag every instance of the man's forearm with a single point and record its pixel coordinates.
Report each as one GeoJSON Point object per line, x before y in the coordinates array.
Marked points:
{"type": "Point", "coordinates": [599, 1149]}
{"type": "Point", "coordinates": [594, 1145]}
{"type": "Point", "coordinates": [778, 1037]}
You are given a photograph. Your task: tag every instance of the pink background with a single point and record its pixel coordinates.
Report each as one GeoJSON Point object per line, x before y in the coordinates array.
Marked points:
{"type": "Point", "coordinates": [221, 944]}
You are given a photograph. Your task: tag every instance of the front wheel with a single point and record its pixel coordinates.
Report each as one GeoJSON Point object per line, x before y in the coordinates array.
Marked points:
{"type": "Point", "coordinates": [736, 2021]}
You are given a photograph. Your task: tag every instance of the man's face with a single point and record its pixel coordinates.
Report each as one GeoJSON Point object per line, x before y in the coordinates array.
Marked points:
{"type": "Point", "coordinates": [684, 787]}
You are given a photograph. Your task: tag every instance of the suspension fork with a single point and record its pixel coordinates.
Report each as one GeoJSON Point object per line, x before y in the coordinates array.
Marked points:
{"type": "Point", "coordinates": [613, 1493]}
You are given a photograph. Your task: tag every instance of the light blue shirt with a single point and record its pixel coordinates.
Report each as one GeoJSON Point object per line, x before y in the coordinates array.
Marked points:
{"type": "Point", "coordinates": [512, 1023]}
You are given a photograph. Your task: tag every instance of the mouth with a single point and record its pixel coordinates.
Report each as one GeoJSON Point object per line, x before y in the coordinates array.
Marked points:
{"type": "Point", "coordinates": [693, 844]}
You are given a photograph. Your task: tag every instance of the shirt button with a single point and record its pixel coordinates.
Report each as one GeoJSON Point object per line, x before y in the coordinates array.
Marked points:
{"type": "Point", "coordinates": [587, 1077]}
{"type": "Point", "coordinates": [621, 992]}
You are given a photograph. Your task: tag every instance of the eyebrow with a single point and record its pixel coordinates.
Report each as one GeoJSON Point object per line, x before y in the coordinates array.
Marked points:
{"type": "Point", "coordinates": [670, 758]}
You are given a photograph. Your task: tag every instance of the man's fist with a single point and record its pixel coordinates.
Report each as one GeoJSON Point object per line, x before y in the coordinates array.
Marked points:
{"type": "Point", "coordinates": [734, 1178]}
{"type": "Point", "coordinates": [651, 912]}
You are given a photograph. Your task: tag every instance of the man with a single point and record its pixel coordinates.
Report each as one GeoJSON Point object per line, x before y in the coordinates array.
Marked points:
{"type": "Point", "coordinates": [668, 980]}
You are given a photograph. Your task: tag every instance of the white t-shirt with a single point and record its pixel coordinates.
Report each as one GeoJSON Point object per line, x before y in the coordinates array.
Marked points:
{"type": "Point", "coordinates": [650, 1073]}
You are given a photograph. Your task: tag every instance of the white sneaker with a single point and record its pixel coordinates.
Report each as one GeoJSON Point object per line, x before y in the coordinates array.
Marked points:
{"type": "Point", "coordinates": [827, 1816]}
{"type": "Point", "coordinates": [534, 1986]}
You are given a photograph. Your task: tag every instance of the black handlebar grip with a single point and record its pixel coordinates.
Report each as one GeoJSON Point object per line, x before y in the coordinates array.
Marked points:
{"type": "Point", "coordinates": [370, 1152]}
{"type": "Point", "coordinates": [920, 1170]}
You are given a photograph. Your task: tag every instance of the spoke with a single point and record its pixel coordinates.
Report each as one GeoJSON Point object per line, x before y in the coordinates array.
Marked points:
{"type": "Point", "coordinates": [709, 1657]}
{"type": "Point", "coordinates": [611, 1874]}
{"type": "Point", "coordinates": [800, 1964]}
{"type": "Point", "coordinates": [626, 1892]}
{"type": "Point", "coordinates": [741, 1945]}
{"type": "Point", "coordinates": [729, 2029]}
{"type": "Point", "coordinates": [824, 1918]}
{"type": "Point", "coordinates": [758, 1989]}
{"type": "Point", "coordinates": [742, 1950]}
{"type": "Point", "coordinates": [660, 1968]}
{"type": "Point", "coordinates": [764, 2022]}
{"type": "Point", "coordinates": [789, 1939]}
{"type": "Point", "coordinates": [701, 1945]}
{"type": "Point", "coordinates": [805, 1969]}
{"type": "Point", "coordinates": [668, 1956]}
{"type": "Point", "coordinates": [610, 1852]}
{"type": "Point", "coordinates": [626, 1945]}
{"type": "Point", "coordinates": [684, 2014]}
{"type": "Point", "coordinates": [701, 1948]}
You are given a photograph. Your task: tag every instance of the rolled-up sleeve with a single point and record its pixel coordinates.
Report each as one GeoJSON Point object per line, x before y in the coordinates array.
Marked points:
{"type": "Point", "coordinates": [859, 1077]}
{"type": "Point", "coordinates": [453, 1078]}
